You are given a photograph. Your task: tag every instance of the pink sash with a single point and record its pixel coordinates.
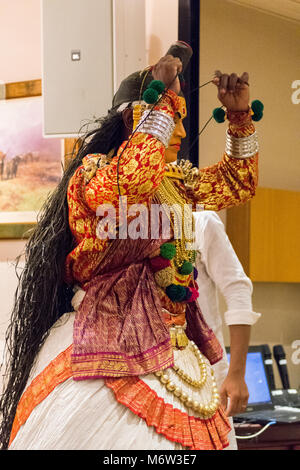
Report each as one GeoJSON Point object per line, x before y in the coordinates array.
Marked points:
{"type": "Point", "coordinates": [119, 329]}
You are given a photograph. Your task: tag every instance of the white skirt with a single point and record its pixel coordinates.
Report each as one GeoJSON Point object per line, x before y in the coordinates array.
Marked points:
{"type": "Point", "coordinates": [85, 415]}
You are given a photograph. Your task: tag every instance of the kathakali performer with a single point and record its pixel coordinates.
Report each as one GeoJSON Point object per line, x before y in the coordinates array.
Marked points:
{"type": "Point", "coordinates": [129, 365]}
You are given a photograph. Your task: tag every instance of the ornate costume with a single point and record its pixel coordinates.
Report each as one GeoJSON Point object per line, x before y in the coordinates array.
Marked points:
{"type": "Point", "coordinates": [137, 330]}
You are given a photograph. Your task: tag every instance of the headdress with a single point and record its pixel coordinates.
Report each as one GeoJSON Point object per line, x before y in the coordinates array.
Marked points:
{"type": "Point", "coordinates": [132, 88]}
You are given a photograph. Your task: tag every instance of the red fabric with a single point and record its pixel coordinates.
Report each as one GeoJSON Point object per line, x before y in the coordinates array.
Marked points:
{"type": "Point", "coordinates": [177, 426]}
{"type": "Point", "coordinates": [158, 263]}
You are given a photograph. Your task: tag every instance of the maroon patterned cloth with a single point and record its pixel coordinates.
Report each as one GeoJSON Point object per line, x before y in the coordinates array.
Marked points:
{"type": "Point", "coordinates": [119, 329]}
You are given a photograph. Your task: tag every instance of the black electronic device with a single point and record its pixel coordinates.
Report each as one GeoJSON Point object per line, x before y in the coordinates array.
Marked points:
{"type": "Point", "coordinates": [268, 361]}
{"type": "Point", "coordinates": [280, 358]}
{"type": "Point", "coordinates": [283, 397]}
{"type": "Point", "coordinates": [262, 407]}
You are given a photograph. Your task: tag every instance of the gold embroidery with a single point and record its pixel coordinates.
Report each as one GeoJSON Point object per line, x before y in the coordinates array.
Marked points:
{"type": "Point", "coordinates": [131, 166]}
{"type": "Point", "coordinates": [205, 188]}
{"type": "Point", "coordinates": [243, 172]}
{"type": "Point", "coordinates": [116, 365]}
{"type": "Point", "coordinates": [145, 187]}
{"type": "Point", "coordinates": [154, 158]}
{"type": "Point", "coordinates": [138, 138]}
{"type": "Point", "coordinates": [80, 226]}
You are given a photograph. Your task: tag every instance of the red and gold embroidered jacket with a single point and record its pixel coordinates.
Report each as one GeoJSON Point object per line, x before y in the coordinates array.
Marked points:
{"type": "Point", "coordinates": [141, 168]}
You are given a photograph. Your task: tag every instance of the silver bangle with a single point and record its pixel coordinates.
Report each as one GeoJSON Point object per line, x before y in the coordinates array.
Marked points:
{"type": "Point", "coordinates": [158, 124]}
{"type": "Point", "coordinates": [241, 147]}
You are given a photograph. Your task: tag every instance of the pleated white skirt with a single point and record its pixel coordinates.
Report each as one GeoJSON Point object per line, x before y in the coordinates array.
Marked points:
{"type": "Point", "coordinates": [85, 415]}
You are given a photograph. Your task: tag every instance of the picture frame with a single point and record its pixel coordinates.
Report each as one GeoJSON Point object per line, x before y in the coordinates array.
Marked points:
{"type": "Point", "coordinates": [19, 224]}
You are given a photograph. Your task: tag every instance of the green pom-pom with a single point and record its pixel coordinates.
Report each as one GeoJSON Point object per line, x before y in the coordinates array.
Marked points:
{"type": "Point", "coordinates": [167, 250]}
{"type": "Point", "coordinates": [257, 116]}
{"type": "Point", "coordinates": [219, 115]}
{"type": "Point", "coordinates": [257, 107]}
{"type": "Point", "coordinates": [186, 268]}
{"type": "Point", "coordinates": [157, 85]}
{"type": "Point", "coordinates": [150, 96]}
{"type": "Point", "coordinates": [176, 293]}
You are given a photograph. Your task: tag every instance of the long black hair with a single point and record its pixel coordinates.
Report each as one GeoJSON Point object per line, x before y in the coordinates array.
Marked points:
{"type": "Point", "coordinates": [42, 296]}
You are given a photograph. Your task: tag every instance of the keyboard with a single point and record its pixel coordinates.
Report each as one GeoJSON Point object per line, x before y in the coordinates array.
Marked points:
{"type": "Point", "coordinates": [281, 414]}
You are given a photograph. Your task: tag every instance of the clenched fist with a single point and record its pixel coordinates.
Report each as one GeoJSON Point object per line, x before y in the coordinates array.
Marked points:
{"type": "Point", "coordinates": [167, 70]}
{"type": "Point", "coordinates": [233, 91]}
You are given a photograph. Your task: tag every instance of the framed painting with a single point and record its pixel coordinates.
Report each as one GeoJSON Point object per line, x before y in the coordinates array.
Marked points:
{"type": "Point", "coordinates": [30, 165]}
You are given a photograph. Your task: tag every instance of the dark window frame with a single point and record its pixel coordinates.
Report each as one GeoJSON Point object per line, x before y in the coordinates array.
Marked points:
{"type": "Point", "coordinates": [189, 31]}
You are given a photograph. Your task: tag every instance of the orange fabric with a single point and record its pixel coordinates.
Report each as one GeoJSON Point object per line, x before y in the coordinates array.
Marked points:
{"type": "Point", "coordinates": [174, 320]}
{"type": "Point", "coordinates": [141, 169]}
{"type": "Point", "coordinates": [55, 373]}
{"type": "Point", "coordinates": [175, 425]}
{"type": "Point", "coordinates": [232, 181]}
{"type": "Point", "coordinates": [136, 395]}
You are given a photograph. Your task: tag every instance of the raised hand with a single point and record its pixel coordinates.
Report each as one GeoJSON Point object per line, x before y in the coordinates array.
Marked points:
{"type": "Point", "coordinates": [233, 91]}
{"type": "Point", "coordinates": [167, 70]}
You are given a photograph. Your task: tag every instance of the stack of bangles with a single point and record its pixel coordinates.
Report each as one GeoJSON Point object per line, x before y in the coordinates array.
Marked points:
{"type": "Point", "coordinates": [160, 125]}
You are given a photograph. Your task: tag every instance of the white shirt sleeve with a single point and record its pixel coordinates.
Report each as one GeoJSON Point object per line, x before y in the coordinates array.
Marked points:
{"type": "Point", "coordinates": [224, 268]}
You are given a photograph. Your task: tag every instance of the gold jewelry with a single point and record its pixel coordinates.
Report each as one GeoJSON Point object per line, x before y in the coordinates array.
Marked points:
{"type": "Point", "coordinates": [184, 171]}
{"type": "Point", "coordinates": [136, 115]}
{"type": "Point", "coordinates": [202, 364]}
{"type": "Point", "coordinates": [178, 337]}
{"type": "Point", "coordinates": [191, 174]}
{"type": "Point", "coordinates": [206, 409]}
{"type": "Point", "coordinates": [174, 171]}
{"type": "Point", "coordinates": [147, 71]}
{"type": "Point", "coordinates": [182, 221]}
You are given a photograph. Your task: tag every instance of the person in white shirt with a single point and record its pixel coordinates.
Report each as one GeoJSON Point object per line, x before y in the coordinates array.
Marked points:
{"type": "Point", "coordinates": [219, 269]}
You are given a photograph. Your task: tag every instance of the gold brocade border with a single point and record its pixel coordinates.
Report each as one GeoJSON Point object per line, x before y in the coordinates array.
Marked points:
{"type": "Point", "coordinates": [99, 365]}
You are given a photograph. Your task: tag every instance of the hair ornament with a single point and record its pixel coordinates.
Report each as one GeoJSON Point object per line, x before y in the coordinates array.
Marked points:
{"type": "Point", "coordinates": [219, 115]}
{"type": "Point", "coordinates": [167, 250]}
{"type": "Point", "coordinates": [155, 88]}
{"type": "Point", "coordinates": [257, 108]}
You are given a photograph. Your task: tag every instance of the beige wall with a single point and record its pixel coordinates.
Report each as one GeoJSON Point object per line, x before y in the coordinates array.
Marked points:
{"type": "Point", "coordinates": [238, 39]}
{"type": "Point", "coordinates": [20, 39]}
{"type": "Point", "coordinates": [161, 27]}
{"type": "Point", "coordinates": [20, 60]}
{"type": "Point", "coordinates": [279, 324]}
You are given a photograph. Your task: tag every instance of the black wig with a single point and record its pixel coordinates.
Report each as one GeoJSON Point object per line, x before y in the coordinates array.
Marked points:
{"type": "Point", "coordinates": [42, 296]}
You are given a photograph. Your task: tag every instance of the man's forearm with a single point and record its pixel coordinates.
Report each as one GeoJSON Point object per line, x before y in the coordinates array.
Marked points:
{"type": "Point", "coordinates": [239, 342]}
{"type": "Point", "coordinates": [234, 392]}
